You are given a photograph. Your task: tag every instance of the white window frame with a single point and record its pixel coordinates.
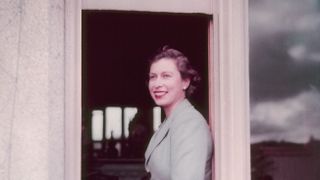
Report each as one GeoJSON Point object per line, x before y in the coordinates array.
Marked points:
{"type": "Point", "coordinates": [228, 78]}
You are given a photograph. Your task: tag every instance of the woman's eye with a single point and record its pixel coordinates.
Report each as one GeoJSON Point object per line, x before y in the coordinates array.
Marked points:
{"type": "Point", "coordinates": [166, 76]}
{"type": "Point", "coordinates": [152, 77]}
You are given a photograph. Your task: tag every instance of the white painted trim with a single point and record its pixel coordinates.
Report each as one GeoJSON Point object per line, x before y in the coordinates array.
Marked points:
{"type": "Point", "coordinates": [231, 77]}
{"type": "Point", "coordinates": [179, 6]}
{"type": "Point", "coordinates": [72, 90]}
{"type": "Point", "coordinates": [212, 90]}
{"type": "Point", "coordinates": [229, 86]}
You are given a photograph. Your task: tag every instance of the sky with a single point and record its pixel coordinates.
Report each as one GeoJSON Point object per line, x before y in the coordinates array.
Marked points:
{"type": "Point", "coordinates": [284, 70]}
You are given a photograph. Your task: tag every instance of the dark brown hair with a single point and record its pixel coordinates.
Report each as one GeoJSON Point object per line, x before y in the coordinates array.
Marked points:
{"type": "Point", "coordinates": [183, 65]}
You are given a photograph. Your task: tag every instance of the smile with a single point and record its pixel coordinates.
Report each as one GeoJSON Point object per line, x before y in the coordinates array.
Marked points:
{"type": "Point", "coordinates": [159, 94]}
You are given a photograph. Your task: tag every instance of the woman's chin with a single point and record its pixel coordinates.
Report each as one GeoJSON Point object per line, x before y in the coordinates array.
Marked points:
{"type": "Point", "coordinates": [160, 102]}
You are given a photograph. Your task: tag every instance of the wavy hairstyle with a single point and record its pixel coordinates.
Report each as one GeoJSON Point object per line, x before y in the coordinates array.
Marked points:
{"type": "Point", "coordinates": [183, 65]}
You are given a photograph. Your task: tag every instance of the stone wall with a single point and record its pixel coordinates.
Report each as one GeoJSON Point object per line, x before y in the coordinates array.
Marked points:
{"type": "Point", "coordinates": [31, 89]}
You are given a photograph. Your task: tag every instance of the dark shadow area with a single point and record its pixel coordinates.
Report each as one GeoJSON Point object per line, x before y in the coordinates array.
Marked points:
{"type": "Point", "coordinates": [271, 157]}
{"type": "Point", "coordinates": [116, 47]}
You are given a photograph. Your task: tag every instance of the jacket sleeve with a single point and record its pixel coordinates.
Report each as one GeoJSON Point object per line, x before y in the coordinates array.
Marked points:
{"type": "Point", "coordinates": [191, 145]}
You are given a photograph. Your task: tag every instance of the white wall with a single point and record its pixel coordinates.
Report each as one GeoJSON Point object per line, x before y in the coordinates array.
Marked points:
{"type": "Point", "coordinates": [31, 89]}
{"type": "Point", "coordinates": [35, 109]}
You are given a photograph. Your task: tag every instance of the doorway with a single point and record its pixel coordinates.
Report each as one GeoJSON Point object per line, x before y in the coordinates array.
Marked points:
{"type": "Point", "coordinates": [116, 46]}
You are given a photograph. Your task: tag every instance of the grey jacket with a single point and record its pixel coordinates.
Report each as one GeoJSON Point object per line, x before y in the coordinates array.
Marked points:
{"type": "Point", "coordinates": [181, 149]}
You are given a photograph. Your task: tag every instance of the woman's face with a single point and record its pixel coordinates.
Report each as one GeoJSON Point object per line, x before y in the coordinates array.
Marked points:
{"type": "Point", "coordinates": [166, 86]}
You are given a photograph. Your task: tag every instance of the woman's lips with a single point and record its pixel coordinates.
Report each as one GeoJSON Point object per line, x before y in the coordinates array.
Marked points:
{"type": "Point", "coordinates": [159, 94]}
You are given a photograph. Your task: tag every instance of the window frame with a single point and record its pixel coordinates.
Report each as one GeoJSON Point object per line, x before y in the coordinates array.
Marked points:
{"type": "Point", "coordinates": [228, 79]}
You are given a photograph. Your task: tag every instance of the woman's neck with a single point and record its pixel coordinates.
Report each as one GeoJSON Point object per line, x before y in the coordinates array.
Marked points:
{"type": "Point", "coordinates": [168, 109]}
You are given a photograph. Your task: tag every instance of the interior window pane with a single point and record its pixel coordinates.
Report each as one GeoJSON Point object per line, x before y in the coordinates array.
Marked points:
{"type": "Point", "coordinates": [156, 118]}
{"type": "Point", "coordinates": [113, 122]}
{"type": "Point", "coordinates": [285, 89]}
{"type": "Point", "coordinates": [97, 125]}
{"type": "Point", "coordinates": [129, 114]}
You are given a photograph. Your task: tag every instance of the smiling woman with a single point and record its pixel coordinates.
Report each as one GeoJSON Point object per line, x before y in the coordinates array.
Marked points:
{"type": "Point", "coordinates": [182, 147]}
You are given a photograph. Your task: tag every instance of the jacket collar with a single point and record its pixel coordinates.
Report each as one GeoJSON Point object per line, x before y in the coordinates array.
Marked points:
{"type": "Point", "coordinates": [163, 131]}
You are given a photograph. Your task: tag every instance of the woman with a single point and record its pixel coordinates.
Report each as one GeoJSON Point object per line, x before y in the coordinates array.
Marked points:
{"type": "Point", "coordinates": [181, 149]}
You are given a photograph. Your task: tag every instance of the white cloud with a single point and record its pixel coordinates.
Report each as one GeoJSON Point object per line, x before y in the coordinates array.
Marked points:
{"type": "Point", "coordinates": [300, 18]}
{"type": "Point", "coordinates": [297, 52]}
{"type": "Point", "coordinates": [294, 119]}
{"type": "Point", "coordinates": [284, 15]}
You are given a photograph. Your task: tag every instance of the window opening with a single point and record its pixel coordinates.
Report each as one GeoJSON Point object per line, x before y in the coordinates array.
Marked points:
{"type": "Point", "coordinates": [113, 123]}
{"type": "Point", "coordinates": [129, 115]}
{"type": "Point", "coordinates": [115, 49]}
{"type": "Point", "coordinates": [97, 125]}
{"type": "Point", "coordinates": [156, 118]}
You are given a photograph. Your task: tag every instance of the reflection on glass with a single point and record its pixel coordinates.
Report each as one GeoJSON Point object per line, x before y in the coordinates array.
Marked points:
{"type": "Point", "coordinates": [285, 89]}
{"type": "Point", "coordinates": [113, 122]}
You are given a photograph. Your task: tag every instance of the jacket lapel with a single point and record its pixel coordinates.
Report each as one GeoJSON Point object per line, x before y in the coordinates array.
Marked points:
{"type": "Point", "coordinates": [157, 138]}
{"type": "Point", "coordinates": [163, 131]}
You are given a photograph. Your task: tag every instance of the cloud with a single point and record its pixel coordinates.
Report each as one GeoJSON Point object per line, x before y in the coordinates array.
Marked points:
{"type": "Point", "coordinates": [294, 119]}
{"type": "Point", "coordinates": [272, 16]}
{"type": "Point", "coordinates": [284, 48]}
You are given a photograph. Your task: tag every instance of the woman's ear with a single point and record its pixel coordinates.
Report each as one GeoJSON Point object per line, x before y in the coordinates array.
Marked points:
{"type": "Point", "coordinates": [186, 83]}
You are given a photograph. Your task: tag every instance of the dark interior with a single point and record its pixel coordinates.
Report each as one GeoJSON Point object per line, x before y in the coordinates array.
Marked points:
{"type": "Point", "coordinates": [116, 47]}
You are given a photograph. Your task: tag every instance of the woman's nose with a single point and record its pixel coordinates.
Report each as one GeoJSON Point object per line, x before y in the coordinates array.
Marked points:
{"type": "Point", "coordinates": [157, 82]}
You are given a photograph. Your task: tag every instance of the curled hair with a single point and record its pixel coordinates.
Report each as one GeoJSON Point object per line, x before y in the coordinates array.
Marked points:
{"type": "Point", "coordinates": [183, 65]}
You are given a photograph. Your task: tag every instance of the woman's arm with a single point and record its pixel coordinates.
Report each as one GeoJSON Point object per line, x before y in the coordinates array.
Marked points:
{"type": "Point", "coordinates": [191, 149]}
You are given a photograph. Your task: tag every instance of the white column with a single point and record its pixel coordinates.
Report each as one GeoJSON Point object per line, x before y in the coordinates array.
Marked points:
{"type": "Point", "coordinates": [73, 90]}
{"type": "Point", "coordinates": [231, 78]}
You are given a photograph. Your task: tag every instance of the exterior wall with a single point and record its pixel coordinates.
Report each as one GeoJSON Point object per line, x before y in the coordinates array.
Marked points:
{"type": "Point", "coordinates": [31, 90]}
{"type": "Point", "coordinates": [35, 109]}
